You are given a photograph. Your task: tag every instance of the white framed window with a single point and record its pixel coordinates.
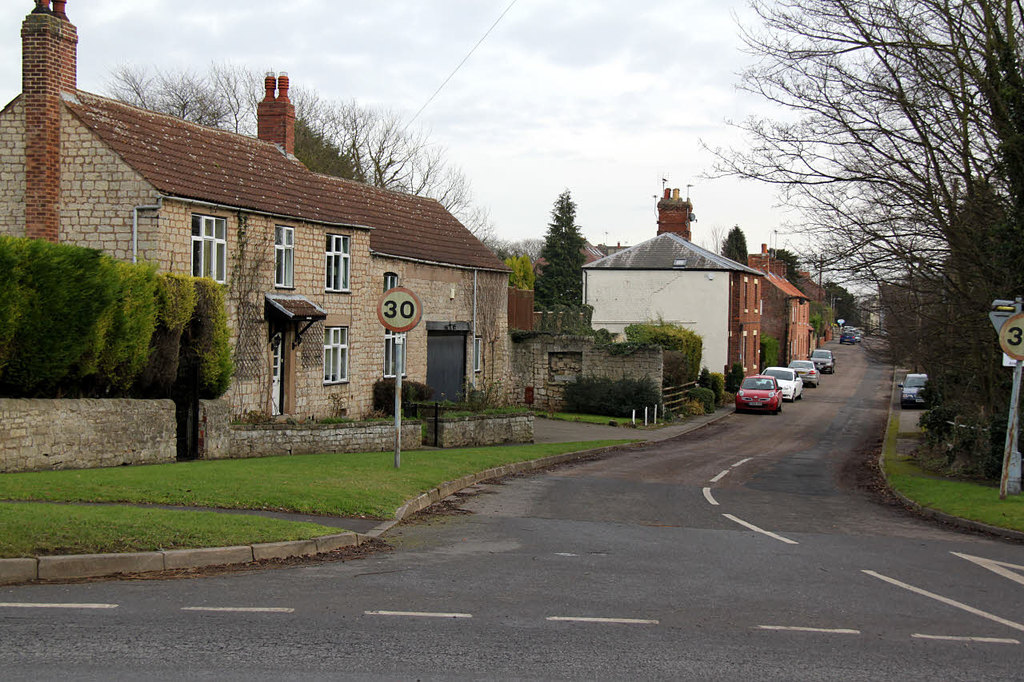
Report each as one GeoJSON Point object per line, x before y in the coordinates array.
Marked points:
{"type": "Point", "coordinates": [209, 247]}
{"type": "Point", "coordinates": [478, 353]}
{"type": "Point", "coordinates": [284, 256]}
{"type": "Point", "coordinates": [389, 354]}
{"type": "Point", "coordinates": [335, 355]}
{"type": "Point", "coordinates": [338, 257]}
{"type": "Point", "coordinates": [390, 280]}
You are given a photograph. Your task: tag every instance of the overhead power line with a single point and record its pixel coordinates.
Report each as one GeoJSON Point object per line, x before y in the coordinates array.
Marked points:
{"type": "Point", "coordinates": [459, 66]}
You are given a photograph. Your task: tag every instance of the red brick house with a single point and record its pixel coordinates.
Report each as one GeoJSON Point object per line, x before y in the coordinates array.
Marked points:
{"type": "Point", "coordinates": [786, 313]}
{"type": "Point", "coordinates": [303, 257]}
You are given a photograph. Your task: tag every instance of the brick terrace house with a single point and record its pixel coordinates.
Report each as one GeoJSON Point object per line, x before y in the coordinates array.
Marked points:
{"type": "Point", "coordinates": [671, 279]}
{"type": "Point", "coordinates": [303, 257]}
{"type": "Point", "coordinates": [786, 314]}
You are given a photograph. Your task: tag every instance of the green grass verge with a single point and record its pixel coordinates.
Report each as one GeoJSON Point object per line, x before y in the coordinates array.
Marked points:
{"type": "Point", "coordinates": [968, 500]}
{"type": "Point", "coordinates": [34, 529]}
{"type": "Point", "coordinates": [351, 484]}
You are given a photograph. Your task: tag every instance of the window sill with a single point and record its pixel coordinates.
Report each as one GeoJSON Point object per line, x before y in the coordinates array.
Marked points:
{"type": "Point", "coordinates": [336, 383]}
{"type": "Point", "coordinates": [337, 291]}
{"type": "Point", "coordinates": [290, 287]}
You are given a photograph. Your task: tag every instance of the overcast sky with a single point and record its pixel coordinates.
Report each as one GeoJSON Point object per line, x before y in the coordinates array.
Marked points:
{"type": "Point", "coordinates": [601, 97]}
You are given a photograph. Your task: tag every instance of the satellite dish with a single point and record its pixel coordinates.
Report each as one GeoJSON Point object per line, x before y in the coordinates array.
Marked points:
{"type": "Point", "coordinates": [693, 218]}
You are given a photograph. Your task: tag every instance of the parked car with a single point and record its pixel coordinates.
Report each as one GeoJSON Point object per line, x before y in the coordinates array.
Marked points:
{"type": "Point", "coordinates": [824, 360]}
{"type": "Point", "coordinates": [790, 383]}
{"type": "Point", "coordinates": [848, 337]}
{"type": "Point", "coordinates": [759, 393]}
{"type": "Point", "coordinates": [807, 371]}
{"type": "Point", "coordinates": [912, 389]}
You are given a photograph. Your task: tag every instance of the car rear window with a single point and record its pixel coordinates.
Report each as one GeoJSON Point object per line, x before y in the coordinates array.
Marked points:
{"type": "Point", "coordinates": [780, 374]}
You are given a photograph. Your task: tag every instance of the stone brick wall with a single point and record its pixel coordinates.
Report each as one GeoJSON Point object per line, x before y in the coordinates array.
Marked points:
{"type": "Point", "coordinates": [541, 366]}
{"type": "Point", "coordinates": [461, 432]}
{"type": "Point", "coordinates": [265, 440]}
{"type": "Point", "coordinates": [83, 434]}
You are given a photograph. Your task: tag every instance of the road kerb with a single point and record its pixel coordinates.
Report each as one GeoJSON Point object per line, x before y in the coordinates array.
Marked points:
{"type": "Point", "coordinates": [92, 565]}
{"type": "Point", "coordinates": [283, 550]}
{"type": "Point", "coordinates": [329, 543]}
{"type": "Point", "coordinates": [207, 556]}
{"type": "Point", "coordinates": [18, 570]}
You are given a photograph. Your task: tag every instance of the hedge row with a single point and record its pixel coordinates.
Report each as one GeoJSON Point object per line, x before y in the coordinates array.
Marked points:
{"type": "Point", "coordinates": [612, 397]}
{"type": "Point", "coordinates": [672, 337]}
{"type": "Point", "coordinates": [77, 323]}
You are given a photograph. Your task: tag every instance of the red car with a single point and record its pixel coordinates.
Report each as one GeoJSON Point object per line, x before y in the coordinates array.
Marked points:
{"type": "Point", "coordinates": [759, 393]}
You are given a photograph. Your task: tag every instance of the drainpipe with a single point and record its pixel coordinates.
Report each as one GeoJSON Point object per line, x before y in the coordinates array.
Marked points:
{"type": "Point", "coordinates": [473, 346]}
{"type": "Point", "coordinates": [135, 224]}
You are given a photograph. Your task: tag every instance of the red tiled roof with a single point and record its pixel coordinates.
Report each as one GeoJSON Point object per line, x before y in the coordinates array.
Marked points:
{"type": "Point", "coordinates": [190, 161]}
{"type": "Point", "coordinates": [784, 285]}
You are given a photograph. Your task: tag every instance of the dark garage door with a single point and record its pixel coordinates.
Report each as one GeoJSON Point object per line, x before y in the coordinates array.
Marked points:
{"type": "Point", "coordinates": [446, 364]}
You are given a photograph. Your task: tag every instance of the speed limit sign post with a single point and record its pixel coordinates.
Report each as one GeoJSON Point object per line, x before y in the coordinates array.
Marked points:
{"type": "Point", "coordinates": [1011, 340]}
{"type": "Point", "coordinates": [399, 310]}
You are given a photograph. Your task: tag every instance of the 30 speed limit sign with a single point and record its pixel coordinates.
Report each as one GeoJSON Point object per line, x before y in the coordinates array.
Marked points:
{"type": "Point", "coordinates": [1011, 337]}
{"type": "Point", "coordinates": [399, 309]}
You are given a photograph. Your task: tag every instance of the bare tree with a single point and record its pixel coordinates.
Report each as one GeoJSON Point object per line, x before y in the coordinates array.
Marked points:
{"type": "Point", "coordinates": [901, 146]}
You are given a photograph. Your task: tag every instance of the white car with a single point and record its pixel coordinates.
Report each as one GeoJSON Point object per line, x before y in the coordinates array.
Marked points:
{"type": "Point", "coordinates": [789, 381]}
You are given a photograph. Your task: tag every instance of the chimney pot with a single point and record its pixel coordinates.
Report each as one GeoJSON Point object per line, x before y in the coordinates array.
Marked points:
{"type": "Point", "coordinates": [270, 86]}
{"type": "Point", "coordinates": [668, 193]}
{"type": "Point", "coordinates": [282, 87]}
{"type": "Point", "coordinates": [764, 248]}
{"type": "Point", "coordinates": [675, 194]}
{"type": "Point", "coordinates": [58, 9]}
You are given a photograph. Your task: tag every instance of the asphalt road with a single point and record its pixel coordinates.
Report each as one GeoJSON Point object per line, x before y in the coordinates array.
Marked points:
{"type": "Point", "coordinates": [742, 551]}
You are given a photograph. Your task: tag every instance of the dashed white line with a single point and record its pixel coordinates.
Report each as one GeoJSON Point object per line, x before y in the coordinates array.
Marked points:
{"type": "Point", "coordinates": [998, 567]}
{"type": "Point", "coordinates": [565, 554]}
{"type": "Point", "coordinates": [418, 614]}
{"type": "Point", "coordinates": [240, 609]}
{"type": "Point", "coordinates": [613, 621]}
{"type": "Point", "coordinates": [720, 476]}
{"type": "Point", "coordinates": [709, 498]}
{"type": "Point", "coordinates": [38, 605]}
{"type": "Point", "coordinates": [754, 528]}
{"type": "Point", "coordinates": [742, 462]}
{"type": "Point", "coordinates": [947, 600]}
{"type": "Point", "coordinates": [795, 628]}
{"type": "Point", "coordinates": [950, 638]}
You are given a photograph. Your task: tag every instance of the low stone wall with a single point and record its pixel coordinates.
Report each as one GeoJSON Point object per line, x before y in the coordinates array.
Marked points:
{"type": "Point", "coordinates": [222, 440]}
{"type": "Point", "coordinates": [84, 433]}
{"type": "Point", "coordinates": [461, 432]}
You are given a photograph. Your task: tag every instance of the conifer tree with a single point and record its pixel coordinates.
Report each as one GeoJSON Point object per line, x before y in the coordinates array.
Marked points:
{"type": "Point", "coordinates": [560, 282]}
{"type": "Point", "coordinates": [735, 245]}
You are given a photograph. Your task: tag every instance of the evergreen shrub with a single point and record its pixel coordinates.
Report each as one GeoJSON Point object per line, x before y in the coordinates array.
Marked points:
{"type": "Point", "coordinates": [705, 396]}
{"type": "Point", "coordinates": [412, 392]}
{"type": "Point", "coordinates": [734, 378]}
{"type": "Point", "coordinates": [611, 397]}
{"type": "Point", "coordinates": [671, 337]}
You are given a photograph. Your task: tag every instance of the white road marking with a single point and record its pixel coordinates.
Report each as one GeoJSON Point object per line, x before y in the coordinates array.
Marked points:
{"type": "Point", "coordinates": [754, 528]}
{"type": "Point", "coordinates": [947, 600]}
{"type": "Point", "coordinates": [418, 614]}
{"type": "Point", "coordinates": [708, 497]}
{"type": "Point", "coordinates": [565, 554]}
{"type": "Point", "coordinates": [614, 621]}
{"type": "Point", "coordinates": [240, 609]}
{"type": "Point", "coordinates": [720, 476]}
{"type": "Point", "coordinates": [949, 638]}
{"type": "Point", "coordinates": [37, 605]}
{"type": "Point", "coordinates": [742, 462]}
{"type": "Point", "coordinates": [997, 567]}
{"type": "Point", "coordinates": [794, 628]}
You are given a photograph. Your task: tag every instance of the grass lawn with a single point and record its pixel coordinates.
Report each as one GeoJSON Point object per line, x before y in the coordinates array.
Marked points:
{"type": "Point", "coordinates": [349, 484]}
{"type": "Point", "coordinates": [969, 500]}
{"type": "Point", "coordinates": [354, 484]}
{"type": "Point", "coordinates": [34, 529]}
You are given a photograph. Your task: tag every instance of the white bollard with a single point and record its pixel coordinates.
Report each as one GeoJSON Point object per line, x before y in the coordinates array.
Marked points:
{"type": "Point", "coordinates": [645, 415]}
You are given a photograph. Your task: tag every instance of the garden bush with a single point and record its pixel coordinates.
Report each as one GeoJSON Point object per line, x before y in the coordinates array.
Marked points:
{"type": "Point", "coordinates": [734, 378]}
{"type": "Point", "coordinates": [611, 397]}
{"type": "Point", "coordinates": [412, 392]}
{"type": "Point", "coordinates": [671, 337]}
{"type": "Point", "coordinates": [714, 381]}
{"type": "Point", "coordinates": [769, 351]}
{"type": "Point", "coordinates": [705, 396]}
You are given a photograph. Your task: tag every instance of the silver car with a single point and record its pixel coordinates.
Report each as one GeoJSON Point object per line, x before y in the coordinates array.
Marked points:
{"type": "Point", "coordinates": [824, 360]}
{"type": "Point", "coordinates": [807, 371]}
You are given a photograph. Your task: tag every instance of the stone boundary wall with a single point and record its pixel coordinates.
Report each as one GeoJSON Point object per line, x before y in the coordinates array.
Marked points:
{"type": "Point", "coordinates": [460, 432]}
{"type": "Point", "coordinates": [541, 366]}
{"type": "Point", "coordinates": [38, 435]}
{"type": "Point", "coordinates": [220, 439]}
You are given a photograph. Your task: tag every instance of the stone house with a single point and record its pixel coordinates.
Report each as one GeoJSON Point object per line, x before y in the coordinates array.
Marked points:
{"type": "Point", "coordinates": [786, 309]}
{"type": "Point", "coordinates": [672, 279]}
{"type": "Point", "coordinates": [303, 257]}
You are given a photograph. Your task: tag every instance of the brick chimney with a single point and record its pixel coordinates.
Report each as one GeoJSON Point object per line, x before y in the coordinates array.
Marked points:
{"type": "Point", "coordinates": [49, 49]}
{"type": "Point", "coordinates": [275, 115]}
{"type": "Point", "coordinates": [766, 263]}
{"type": "Point", "coordinates": [674, 214]}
